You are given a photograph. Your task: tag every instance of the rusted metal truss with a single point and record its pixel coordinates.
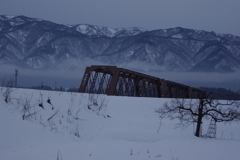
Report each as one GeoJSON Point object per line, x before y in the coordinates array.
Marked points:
{"type": "Point", "coordinates": [112, 80]}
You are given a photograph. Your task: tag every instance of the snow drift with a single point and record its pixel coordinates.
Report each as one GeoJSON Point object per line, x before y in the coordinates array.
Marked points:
{"type": "Point", "coordinates": [37, 124]}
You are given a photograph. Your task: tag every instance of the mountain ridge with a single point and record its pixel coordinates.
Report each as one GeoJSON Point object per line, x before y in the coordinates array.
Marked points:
{"type": "Point", "coordinates": [39, 44]}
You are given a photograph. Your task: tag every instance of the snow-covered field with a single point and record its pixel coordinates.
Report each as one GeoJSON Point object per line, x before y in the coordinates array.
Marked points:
{"type": "Point", "coordinates": [69, 126]}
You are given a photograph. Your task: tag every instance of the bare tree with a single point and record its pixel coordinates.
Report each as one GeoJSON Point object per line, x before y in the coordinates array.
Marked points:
{"type": "Point", "coordinates": [190, 111]}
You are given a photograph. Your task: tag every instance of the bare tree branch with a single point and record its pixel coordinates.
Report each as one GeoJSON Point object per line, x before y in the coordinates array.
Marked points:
{"type": "Point", "coordinates": [193, 111]}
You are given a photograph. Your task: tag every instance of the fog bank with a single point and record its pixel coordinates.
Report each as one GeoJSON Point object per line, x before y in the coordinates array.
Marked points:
{"type": "Point", "coordinates": [66, 78]}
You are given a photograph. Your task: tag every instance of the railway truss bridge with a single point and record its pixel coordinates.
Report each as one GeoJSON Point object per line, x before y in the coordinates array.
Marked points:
{"type": "Point", "coordinates": [111, 80]}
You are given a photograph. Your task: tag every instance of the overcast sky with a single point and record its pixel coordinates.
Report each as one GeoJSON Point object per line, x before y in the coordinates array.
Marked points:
{"type": "Point", "coordinates": [220, 16]}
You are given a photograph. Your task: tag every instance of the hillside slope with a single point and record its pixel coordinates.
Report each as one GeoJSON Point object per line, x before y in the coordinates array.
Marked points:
{"type": "Point", "coordinates": [39, 44]}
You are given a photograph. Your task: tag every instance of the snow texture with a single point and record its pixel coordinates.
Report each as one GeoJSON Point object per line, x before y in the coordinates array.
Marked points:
{"type": "Point", "coordinates": [73, 126]}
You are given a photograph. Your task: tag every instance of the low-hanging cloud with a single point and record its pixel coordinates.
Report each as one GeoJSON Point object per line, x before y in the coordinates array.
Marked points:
{"type": "Point", "coordinates": [67, 78]}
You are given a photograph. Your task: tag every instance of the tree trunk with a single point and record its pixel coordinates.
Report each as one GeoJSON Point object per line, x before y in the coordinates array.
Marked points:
{"type": "Point", "coordinates": [198, 128]}
{"type": "Point", "coordinates": [199, 120]}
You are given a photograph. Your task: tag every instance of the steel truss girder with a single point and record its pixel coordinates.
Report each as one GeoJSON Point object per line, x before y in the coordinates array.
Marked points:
{"type": "Point", "coordinates": [112, 80]}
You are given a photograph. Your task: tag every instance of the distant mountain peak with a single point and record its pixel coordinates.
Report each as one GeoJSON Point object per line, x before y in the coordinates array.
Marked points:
{"type": "Point", "coordinates": [35, 43]}
{"type": "Point", "coordinates": [93, 30]}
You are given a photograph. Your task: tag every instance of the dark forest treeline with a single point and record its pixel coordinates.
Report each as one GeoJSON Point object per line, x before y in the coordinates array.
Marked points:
{"type": "Point", "coordinates": [222, 93]}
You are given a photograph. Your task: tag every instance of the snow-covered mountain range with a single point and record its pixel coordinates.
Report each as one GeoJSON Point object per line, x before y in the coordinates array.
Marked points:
{"type": "Point", "coordinates": [35, 43]}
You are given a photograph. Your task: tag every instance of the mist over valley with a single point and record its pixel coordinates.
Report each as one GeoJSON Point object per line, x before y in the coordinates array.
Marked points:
{"type": "Point", "coordinates": [50, 53]}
